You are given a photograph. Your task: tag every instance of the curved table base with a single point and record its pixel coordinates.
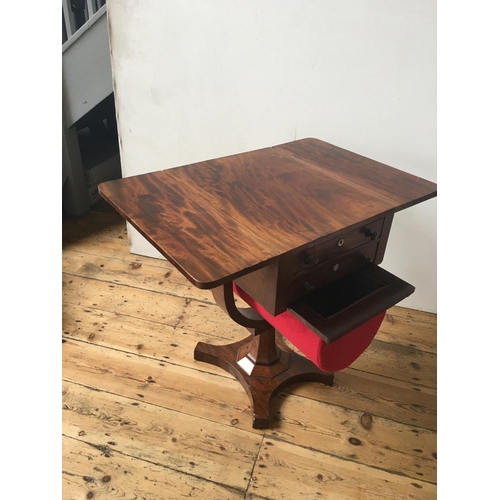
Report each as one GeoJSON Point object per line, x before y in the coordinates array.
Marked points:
{"type": "Point", "coordinates": [262, 382]}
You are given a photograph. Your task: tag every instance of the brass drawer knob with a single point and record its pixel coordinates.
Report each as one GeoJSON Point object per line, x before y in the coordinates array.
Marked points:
{"type": "Point", "coordinates": [310, 259]}
{"type": "Point", "coordinates": [307, 287]}
{"type": "Point", "coordinates": [365, 258]}
{"type": "Point", "coordinates": [371, 234]}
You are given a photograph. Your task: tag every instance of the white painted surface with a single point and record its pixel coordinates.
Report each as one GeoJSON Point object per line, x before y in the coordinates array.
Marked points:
{"type": "Point", "coordinates": [90, 8]}
{"type": "Point", "coordinates": [86, 68]}
{"type": "Point", "coordinates": [69, 20]}
{"type": "Point", "coordinates": [207, 78]}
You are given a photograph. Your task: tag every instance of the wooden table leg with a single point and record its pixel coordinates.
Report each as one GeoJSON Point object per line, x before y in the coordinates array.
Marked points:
{"type": "Point", "coordinates": [263, 367]}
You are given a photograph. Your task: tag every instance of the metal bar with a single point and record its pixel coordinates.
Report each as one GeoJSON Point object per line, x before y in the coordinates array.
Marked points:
{"type": "Point", "coordinates": [69, 19]}
{"type": "Point", "coordinates": [90, 8]}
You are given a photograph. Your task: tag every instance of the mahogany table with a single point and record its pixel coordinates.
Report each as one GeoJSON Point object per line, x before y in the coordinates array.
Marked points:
{"type": "Point", "coordinates": [300, 228]}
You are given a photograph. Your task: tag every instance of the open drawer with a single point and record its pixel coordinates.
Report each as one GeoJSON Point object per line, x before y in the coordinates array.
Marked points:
{"type": "Point", "coordinates": [341, 306]}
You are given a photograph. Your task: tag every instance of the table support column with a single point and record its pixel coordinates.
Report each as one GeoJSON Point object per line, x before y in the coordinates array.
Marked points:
{"type": "Point", "coordinates": [263, 365]}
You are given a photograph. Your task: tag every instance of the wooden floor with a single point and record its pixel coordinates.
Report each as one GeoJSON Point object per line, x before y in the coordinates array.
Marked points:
{"type": "Point", "coordinates": [143, 420]}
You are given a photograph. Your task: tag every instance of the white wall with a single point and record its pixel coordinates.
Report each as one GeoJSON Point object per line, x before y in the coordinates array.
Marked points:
{"type": "Point", "coordinates": [200, 79]}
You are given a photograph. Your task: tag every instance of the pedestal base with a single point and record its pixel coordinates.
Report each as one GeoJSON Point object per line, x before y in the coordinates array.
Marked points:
{"type": "Point", "coordinates": [261, 389]}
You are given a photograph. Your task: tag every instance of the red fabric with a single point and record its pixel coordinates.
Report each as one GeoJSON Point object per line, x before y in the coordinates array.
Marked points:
{"type": "Point", "coordinates": [327, 357]}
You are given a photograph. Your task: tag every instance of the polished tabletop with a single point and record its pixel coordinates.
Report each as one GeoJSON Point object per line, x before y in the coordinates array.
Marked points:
{"type": "Point", "coordinates": [219, 219]}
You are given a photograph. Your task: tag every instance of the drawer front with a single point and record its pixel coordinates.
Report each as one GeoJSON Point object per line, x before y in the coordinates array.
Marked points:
{"type": "Point", "coordinates": [314, 255]}
{"type": "Point", "coordinates": [332, 269]}
{"type": "Point", "coordinates": [343, 305]}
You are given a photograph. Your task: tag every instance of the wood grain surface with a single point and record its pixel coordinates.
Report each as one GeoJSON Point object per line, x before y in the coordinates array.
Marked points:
{"type": "Point", "coordinates": [217, 220]}
{"type": "Point", "coordinates": [143, 419]}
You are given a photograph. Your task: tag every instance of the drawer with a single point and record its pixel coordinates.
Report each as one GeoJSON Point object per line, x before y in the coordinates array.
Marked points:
{"type": "Point", "coordinates": [314, 255]}
{"type": "Point", "coordinates": [333, 269]}
{"type": "Point", "coordinates": [343, 305]}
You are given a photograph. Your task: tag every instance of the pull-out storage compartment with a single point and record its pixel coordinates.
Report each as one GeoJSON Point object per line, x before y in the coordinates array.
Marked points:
{"type": "Point", "coordinates": [350, 301]}
{"type": "Point", "coordinates": [305, 283]}
{"type": "Point", "coordinates": [317, 264]}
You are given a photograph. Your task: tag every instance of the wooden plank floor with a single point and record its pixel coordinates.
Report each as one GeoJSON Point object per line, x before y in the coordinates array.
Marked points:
{"type": "Point", "coordinates": [142, 419]}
